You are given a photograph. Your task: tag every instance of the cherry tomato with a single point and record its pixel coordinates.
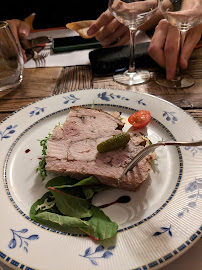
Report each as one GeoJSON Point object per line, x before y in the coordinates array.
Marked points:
{"type": "Point", "coordinates": [140, 119]}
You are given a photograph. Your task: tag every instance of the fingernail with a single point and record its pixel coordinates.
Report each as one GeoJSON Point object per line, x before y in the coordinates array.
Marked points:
{"type": "Point", "coordinates": [169, 75]}
{"type": "Point", "coordinates": [24, 32]}
{"type": "Point", "coordinates": [90, 32]}
{"type": "Point", "coordinates": [184, 63]}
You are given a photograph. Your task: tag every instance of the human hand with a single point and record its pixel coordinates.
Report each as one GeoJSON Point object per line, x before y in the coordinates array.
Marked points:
{"type": "Point", "coordinates": [108, 31]}
{"type": "Point", "coordinates": [20, 30]}
{"type": "Point", "coordinates": [165, 43]}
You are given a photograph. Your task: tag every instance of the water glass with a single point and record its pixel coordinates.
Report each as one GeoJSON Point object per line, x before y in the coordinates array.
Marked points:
{"type": "Point", "coordinates": [11, 60]}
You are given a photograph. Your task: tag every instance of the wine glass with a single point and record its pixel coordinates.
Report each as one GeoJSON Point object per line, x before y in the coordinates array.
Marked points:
{"type": "Point", "coordinates": [183, 14]}
{"type": "Point", "coordinates": [132, 13]}
{"type": "Point", "coordinates": [11, 61]}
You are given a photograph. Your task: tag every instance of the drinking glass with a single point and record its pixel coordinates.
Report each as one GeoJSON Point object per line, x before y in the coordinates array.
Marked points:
{"type": "Point", "coordinates": [11, 60]}
{"type": "Point", "coordinates": [183, 14]}
{"type": "Point", "coordinates": [132, 13]}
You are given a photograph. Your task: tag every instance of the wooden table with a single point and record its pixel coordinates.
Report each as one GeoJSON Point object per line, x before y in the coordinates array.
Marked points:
{"type": "Point", "coordinates": [42, 82]}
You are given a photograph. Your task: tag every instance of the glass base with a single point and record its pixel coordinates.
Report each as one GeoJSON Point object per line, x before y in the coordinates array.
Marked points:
{"type": "Point", "coordinates": [132, 78]}
{"type": "Point", "coordinates": [183, 81]}
{"type": "Point", "coordinates": [6, 84]}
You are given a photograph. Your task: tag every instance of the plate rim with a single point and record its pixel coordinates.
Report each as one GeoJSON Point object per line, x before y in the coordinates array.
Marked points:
{"type": "Point", "coordinates": [199, 230]}
{"type": "Point", "coordinates": [106, 89]}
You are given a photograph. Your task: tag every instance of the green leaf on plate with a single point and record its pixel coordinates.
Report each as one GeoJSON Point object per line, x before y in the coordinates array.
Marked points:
{"type": "Point", "coordinates": [40, 202]}
{"type": "Point", "coordinates": [67, 182]}
{"type": "Point", "coordinates": [60, 181]}
{"type": "Point", "coordinates": [58, 222]}
{"type": "Point", "coordinates": [99, 225]}
{"type": "Point", "coordinates": [70, 205]}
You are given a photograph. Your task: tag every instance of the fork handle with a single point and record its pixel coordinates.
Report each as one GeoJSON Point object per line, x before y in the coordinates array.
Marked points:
{"type": "Point", "coordinates": [197, 143]}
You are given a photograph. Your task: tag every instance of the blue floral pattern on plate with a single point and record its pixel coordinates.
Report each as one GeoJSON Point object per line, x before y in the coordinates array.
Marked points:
{"type": "Point", "coordinates": [7, 132]}
{"type": "Point", "coordinates": [36, 111]}
{"type": "Point", "coordinates": [140, 102]}
{"type": "Point", "coordinates": [193, 150]}
{"type": "Point", "coordinates": [18, 238]}
{"type": "Point", "coordinates": [193, 188]}
{"type": "Point", "coordinates": [170, 116]}
{"type": "Point", "coordinates": [108, 97]}
{"type": "Point", "coordinates": [164, 230]}
{"type": "Point", "coordinates": [104, 254]}
{"type": "Point", "coordinates": [71, 98]}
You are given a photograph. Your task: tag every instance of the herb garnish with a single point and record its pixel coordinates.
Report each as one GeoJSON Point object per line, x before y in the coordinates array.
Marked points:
{"type": "Point", "coordinates": [42, 164]}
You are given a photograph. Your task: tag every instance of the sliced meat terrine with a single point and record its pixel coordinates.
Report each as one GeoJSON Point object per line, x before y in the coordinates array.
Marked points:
{"type": "Point", "coordinates": [72, 150]}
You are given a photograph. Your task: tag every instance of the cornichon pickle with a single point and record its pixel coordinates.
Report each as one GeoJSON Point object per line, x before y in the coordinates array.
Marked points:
{"type": "Point", "coordinates": [114, 142]}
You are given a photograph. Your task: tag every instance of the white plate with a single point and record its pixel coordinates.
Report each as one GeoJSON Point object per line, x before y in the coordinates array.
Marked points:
{"type": "Point", "coordinates": [162, 220]}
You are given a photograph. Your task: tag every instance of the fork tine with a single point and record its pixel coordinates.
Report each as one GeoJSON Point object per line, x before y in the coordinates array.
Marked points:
{"type": "Point", "coordinates": [42, 61]}
{"type": "Point", "coordinates": [43, 56]}
{"type": "Point", "coordinates": [143, 153]}
{"type": "Point", "coordinates": [146, 151]}
{"type": "Point", "coordinates": [36, 62]}
{"type": "Point", "coordinates": [39, 59]}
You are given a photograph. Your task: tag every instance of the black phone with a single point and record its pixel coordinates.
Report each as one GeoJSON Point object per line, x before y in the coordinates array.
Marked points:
{"type": "Point", "coordinates": [73, 43]}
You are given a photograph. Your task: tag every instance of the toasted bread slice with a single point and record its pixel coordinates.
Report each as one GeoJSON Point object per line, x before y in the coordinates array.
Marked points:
{"type": "Point", "coordinates": [81, 27]}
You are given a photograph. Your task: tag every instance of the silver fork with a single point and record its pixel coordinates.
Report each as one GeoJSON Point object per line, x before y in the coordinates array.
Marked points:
{"type": "Point", "coordinates": [39, 58]}
{"type": "Point", "coordinates": [147, 150]}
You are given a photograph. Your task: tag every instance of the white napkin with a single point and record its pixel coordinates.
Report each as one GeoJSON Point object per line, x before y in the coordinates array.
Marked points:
{"type": "Point", "coordinates": [68, 58]}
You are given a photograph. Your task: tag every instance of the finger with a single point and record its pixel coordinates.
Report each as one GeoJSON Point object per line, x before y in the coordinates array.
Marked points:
{"type": "Point", "coordinates": [171, 51]}
{"type": "Point", "coordinates": [104, 19]}
{"type": "Point", "coordinates": [111, 32]}
{"type": "Point", "coordinates": [156, 48]}
{"type": "Point", "coordinates": [122, 40]}
{"type": "Point", "coordinates": [118, 38]}
{"type": "Point", "coordinates": [23, 30]}
{"type": "Point", "coordinates": [192, 38]}
{"type": "Point", "coordinates": [14, 26]}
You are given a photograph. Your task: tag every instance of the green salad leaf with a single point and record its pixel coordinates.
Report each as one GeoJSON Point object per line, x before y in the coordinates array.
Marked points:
{"type": "Point", "coordinates": [69, 206]}
{"type": "Point", "coordinates": [87, 187]}
{"type": "Point", "coordinates": [35, 209]}
{"type": "Point", "coordinates": [58, 222]}
{"type": "Point", "coordinates": [99, 226]}
{"type": "Point", "coordinates": [60, 181]}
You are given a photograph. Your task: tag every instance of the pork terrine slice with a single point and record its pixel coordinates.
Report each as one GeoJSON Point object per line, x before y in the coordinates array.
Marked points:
{"type": "Point", "coordinates": [72, 150]}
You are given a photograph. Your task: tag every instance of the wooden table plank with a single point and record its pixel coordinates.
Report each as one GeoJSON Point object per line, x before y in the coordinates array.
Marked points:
{"type": "Point", "coordinates": [74, 78]}
{"type": "Point", "coordinates": [196, 114]}
{"type": "Point", "coordinates": [42, 82]}
{"type": "Point", "coordinates": [37, 82]}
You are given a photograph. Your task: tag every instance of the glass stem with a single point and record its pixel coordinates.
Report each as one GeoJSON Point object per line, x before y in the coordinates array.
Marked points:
{"type": "Point", "coordinates": [182, 35]}
{"type": "Point", "coordinates": [132, 50]}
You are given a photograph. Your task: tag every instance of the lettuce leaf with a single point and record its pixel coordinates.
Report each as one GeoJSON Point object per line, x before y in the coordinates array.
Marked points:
{"type": "Point", "coordinates": [61, 209]}
{"type": "Point", "coordinates": [70, 205]}
{"type": "Point", "coordinates": [99, 226]}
